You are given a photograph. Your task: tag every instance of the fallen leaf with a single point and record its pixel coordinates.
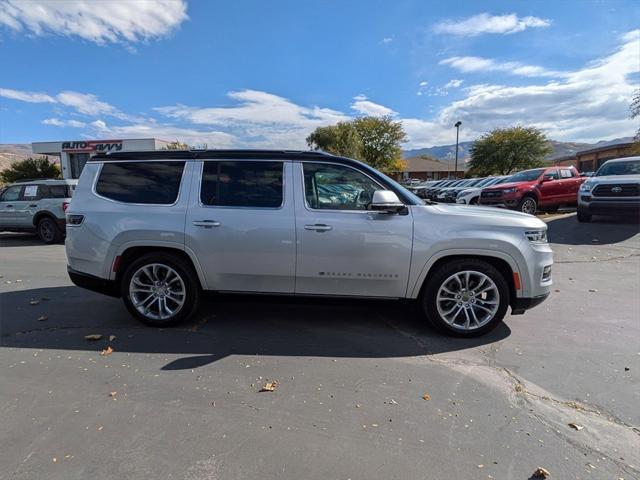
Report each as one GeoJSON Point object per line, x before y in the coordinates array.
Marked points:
{"type": "Point", "coordinates": [93, 336]}
{"type": "Point", "coordinates": [106, 351]}
{"type": "Point", "coordinates": [575, 426]}
{"type": "Point", "coordinates": [113, 394]}
{"type": "Point", "coordinates": [112, 338]}
{"type": "Point", "coordinates": [541, 473]}
{"type": "Point", "coordinates": [593, 289]}
{"type": "Point", "coordinates": [269, 386]}
{"type": "Point", "coordinates": [426, 396]}
{"type": "Point", "coordinates": [54, 459]}
{"type": "Point", "coordinates": [100, 427]}
{"type": "Point", "coordinates": [626, 369]}
{"type": "Point", "coordinates": [481, 466]}
{"type": "Point", "coordinates": [42, 318]}
{"type": "Point", "coordinates": [393, 402]}
{"type": "Point", "coordinates": [34, 302]}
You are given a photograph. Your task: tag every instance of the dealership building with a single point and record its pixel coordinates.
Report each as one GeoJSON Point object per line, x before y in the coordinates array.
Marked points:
{"type": "Point", "coordinates": [74, 154]}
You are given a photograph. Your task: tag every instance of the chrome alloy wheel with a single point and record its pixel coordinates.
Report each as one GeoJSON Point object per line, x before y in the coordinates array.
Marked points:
{"type": "Point", "coordinates": [468, 300]}
{"type": "Point", "coordinates": [157, 291]}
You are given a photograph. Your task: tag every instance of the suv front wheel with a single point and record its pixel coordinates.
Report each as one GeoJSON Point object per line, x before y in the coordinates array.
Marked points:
{"type": "Point", "coordinates": [466, 297]}
{"type": "Point", "coordinates": [160, 289]}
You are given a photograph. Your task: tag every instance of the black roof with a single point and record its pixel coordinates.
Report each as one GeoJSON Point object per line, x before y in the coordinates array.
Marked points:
{"type": "Point", "coordinates": [213, 154]}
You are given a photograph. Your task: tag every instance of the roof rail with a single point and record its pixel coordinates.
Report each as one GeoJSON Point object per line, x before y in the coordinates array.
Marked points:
{"type": "Point", "coordinates": [26, 180]}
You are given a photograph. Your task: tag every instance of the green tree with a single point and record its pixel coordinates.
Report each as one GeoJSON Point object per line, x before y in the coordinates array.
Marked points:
{"type": "Point", "coordinates": [373, 140]}
{"type": "Point", "coordinates": [30, 168]}
{"type": "Point", "coordinates": [505, 150]}
{"type": "Point", "coordinates": [340, 139]}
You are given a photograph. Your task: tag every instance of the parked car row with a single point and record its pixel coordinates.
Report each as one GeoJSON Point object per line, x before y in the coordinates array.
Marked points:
{"type": "Point", "coordinates": [546, 189]}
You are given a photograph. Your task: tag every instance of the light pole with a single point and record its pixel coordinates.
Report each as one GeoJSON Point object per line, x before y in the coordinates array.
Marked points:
{"type": "Point", "coordinates": [457, 125]}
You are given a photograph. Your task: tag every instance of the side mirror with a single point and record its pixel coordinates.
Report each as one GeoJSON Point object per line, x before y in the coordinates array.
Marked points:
{"type": "Point", "coordinates": [547, 178]}
{"type": "Point", "coordinates": [385, 201]}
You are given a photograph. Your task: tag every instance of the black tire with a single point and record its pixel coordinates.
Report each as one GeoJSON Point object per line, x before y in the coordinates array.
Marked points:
{"type": "Point", "coordinates": [583, 217]}
{"type": "Point", "coordinates": [188, 276]}
{"type": "Point", "coordinates": [440, 277]}
{"type": "Point", "coordinates": [474, 201]}
{"type": "Point", "coordinates": [528, 204]}
{"type": "Point", "coordinates": [48, 230]}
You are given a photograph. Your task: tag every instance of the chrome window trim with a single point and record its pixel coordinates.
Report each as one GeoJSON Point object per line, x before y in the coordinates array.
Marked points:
{"type": "Point", "coordinates": [200, 177]}
{"type": "Point", "coordinates": [306, 204]}
{"type": "Point", "coordinates": [97, 177]}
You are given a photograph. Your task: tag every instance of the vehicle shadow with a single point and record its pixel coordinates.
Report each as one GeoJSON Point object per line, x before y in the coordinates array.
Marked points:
{"type": "Point", "coordinates": [227, 325]}
{"type": "Point", "coordinates": [12, 239]}
{"type": "Point", "coordinates": [600, 231]}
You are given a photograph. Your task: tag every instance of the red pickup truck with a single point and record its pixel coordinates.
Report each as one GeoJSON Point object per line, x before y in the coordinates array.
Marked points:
{"type": "Point", "coordinates": [543, 189]}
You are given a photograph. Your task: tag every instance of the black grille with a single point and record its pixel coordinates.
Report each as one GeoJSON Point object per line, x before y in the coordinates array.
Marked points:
{"type": "Point", "coordinates": [491, 194]}
{"type": "Point", "coordinates": [619, 190]}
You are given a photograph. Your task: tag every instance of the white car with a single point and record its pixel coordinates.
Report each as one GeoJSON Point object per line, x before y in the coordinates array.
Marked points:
{"type": "Point", "coordinates": [159, 228]}
{"type": "Point", "coordinates": [613, 190]}
{"type": "Point", "coordinates": [470, 196]}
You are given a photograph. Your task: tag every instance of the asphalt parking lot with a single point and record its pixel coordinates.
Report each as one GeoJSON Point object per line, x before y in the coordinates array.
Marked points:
{"type": "Point", "coordinates": [366, 390]}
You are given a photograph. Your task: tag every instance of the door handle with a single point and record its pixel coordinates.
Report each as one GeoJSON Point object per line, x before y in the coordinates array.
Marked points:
{"type": "Point", "coordinates": [9, 206]}
{"type": "Point", "coordinates": [33, 205]}
{"type": "Point", "coordinates": [206, 223]}
{"type": "Point", "coordinates": [319, 227]}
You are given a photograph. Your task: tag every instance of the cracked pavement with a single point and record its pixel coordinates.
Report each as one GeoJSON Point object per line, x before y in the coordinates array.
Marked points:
{"type": "Point", "coordinates": [351, 380]}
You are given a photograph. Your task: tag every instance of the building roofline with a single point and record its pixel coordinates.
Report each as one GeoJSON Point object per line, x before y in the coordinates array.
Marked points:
{"type": "Point", "coordinates": [606, 147]}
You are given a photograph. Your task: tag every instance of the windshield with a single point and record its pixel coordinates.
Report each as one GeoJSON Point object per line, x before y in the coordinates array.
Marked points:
{"type": "Point", "coordinates": [527, 175]}
{"type": "Point", "coordinates": [619, 168]}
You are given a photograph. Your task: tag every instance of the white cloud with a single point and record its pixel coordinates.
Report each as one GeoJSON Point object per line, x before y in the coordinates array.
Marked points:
{"type": "Point", "coordinates": [93, 20]}
{"type": "Point", "coordinates": [191, 136]}
{"type": "Point", "coordinates": [387, 40]}
{"type": "Point", "coordinates": [57, 122]}
{"type": "Point", "coordinates": [364, 106]}
{"type": "Point", "coordinates": [479, 64]}
{"type": "Point", "coordinates": [31, 97]}
{"type": "Point", "coordinates": [586, 105]}
{"type": "Point", "coordinates": [486, 23]}
{"type": "Point", "coordinates": [455, 83]}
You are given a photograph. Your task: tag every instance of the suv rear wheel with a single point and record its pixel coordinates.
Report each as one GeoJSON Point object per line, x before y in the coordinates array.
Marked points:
{"type": "Point", "coordinates": [160, 289]}
{"type": "Point", "coordinates": [466, 298]}
{"type": "Point", "coordinates": [48, 231]}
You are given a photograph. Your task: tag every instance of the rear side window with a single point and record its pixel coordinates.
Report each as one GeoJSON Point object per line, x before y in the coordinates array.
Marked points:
{"type": "Point", "coordinates": [140, 182]}
{"type": "Point", "coordinates": [242, 184]}
{"type": "Point", "coordinates": [566, 173]}
{"type": "Point", "coordinates": [53, 191]}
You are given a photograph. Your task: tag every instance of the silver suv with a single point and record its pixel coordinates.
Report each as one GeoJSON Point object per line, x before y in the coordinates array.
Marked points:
{"type": "Point", "coordinates": [36, 205]}
{"type": "Point", "coordinates": [613, 190]}
{"type": "Point", "coordinates": [159, 228]}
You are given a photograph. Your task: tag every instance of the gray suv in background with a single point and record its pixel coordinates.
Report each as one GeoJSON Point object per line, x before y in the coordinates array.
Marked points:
{"type": "Point", "coordinates": [613, 190]}
{"type": "Point", "coordinates": [159, 228]}
{"type": "Point", "coordinates": [36, 205]}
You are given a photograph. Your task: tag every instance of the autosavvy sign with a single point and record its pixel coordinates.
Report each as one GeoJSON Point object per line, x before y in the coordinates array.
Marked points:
{"type": "Point", "coordinates": [93, 146]}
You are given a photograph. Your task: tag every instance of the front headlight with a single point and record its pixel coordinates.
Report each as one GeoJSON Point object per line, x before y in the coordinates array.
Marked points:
{"type": "Point", "coordinates": [510, 190]}
{"type": "Point", "coordinates": [585, 187]}
{"type": "Point", "coordinates": [536, 236]}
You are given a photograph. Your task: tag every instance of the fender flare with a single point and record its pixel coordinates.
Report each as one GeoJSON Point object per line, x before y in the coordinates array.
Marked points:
{"type": "Point", "coordinates": [152, 243]}
{"type": "Point", "coordinates": [471, 252]}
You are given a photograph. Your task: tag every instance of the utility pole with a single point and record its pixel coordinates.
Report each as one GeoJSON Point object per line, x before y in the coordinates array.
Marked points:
{"type": "Point", "coordinates": [457, 125]}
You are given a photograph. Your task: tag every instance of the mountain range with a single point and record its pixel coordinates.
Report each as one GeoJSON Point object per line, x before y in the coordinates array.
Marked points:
{"type": "Point", "coordinates": [447, 153]}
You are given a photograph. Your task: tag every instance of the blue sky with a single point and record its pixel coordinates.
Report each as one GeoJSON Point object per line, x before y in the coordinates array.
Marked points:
{"type": "Point", "coordinates": [265, 74]}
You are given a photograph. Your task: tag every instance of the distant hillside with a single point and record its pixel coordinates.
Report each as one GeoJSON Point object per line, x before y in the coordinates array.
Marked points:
{"type": "Point", "coordinates": [12, 152]}
{"type": "Point", "coordinates": [447, 153]}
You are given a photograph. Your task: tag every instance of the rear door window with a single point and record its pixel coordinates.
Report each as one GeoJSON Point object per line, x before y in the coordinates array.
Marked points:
{"type": "Point", "coordinates": [242, 184]}
{"type": "Point", "coordinates": [53, 191]}
{"type": "Point", "coordinates": [147, 182]}
{"type": "Point", "coordinates": [566, 173]}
